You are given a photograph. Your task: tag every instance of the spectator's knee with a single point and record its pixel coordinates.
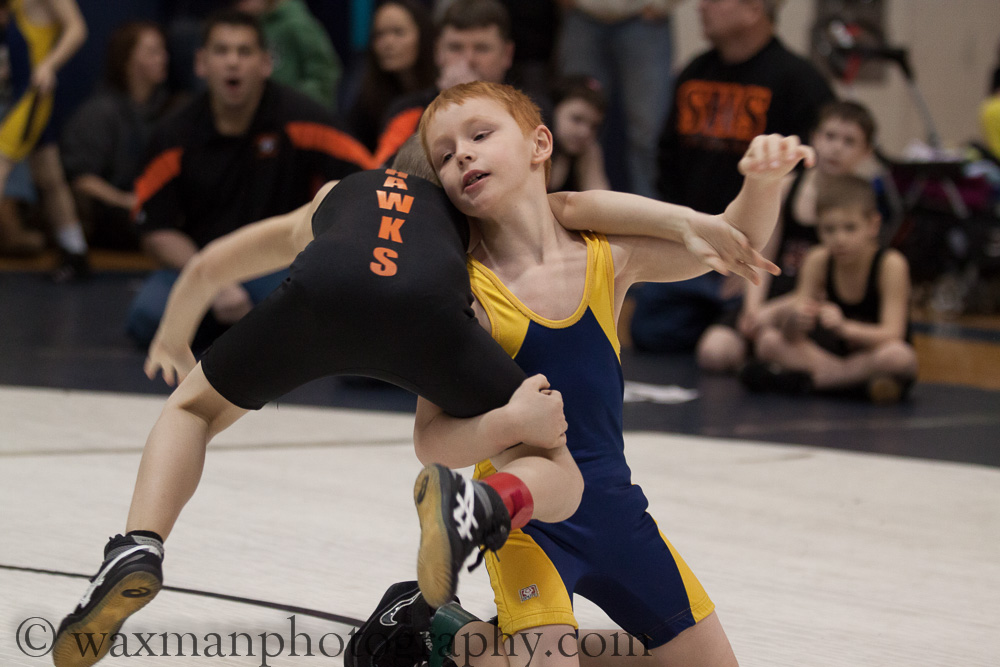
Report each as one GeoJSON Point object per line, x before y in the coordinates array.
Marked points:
{"type": "Point", "coordinates": [721, 350]}
{"type": "Point", "coordinates": [897, 358]}
{"type": "Point", "coordinates": [769, 345]}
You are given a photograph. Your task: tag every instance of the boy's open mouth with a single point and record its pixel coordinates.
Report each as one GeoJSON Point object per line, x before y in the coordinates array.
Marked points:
{"type": "Point", "coordinates": [473, 177]}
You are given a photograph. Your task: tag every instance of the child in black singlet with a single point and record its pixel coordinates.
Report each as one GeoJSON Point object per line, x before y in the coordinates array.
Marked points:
{"type": "Point", "coordinates": [848, 326]}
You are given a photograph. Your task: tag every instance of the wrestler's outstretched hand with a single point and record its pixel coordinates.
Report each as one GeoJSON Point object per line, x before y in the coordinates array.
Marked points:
{"type": "Point", "coordinates": [719, 245]}
{"type": "Point", "coordinates": [773, 156]}
{"type": "Point", "coordinates": [537, 413]}
{"type": "Point", "coordinates": [174, 360]}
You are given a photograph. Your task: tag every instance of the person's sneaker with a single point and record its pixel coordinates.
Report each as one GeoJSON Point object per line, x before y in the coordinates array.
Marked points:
{"type": "Point", "coordinates": [759, 376]}
{"type": "Point", "coordinates": [72, 267]}
{"type": "Point", "coordinates": [886, 389]}
{"type": "Point", "coordinates": [129, 578]}
{"type": "Point", "coordinates": [404, 631]}
{"type": "Point", "coordinates": [457, 515]}
{"type": "Point", "coordinates": [397, 634]}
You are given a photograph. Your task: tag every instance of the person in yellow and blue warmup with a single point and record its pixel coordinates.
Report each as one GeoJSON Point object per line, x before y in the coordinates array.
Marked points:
{"type": "Point", "coordinates": [42, 35]}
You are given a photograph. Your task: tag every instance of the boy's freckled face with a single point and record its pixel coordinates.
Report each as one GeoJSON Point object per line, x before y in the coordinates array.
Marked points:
{"type": "Point", "coordinates": [479, 153]}
{"type": "Point", "coordinates": [840, 146]}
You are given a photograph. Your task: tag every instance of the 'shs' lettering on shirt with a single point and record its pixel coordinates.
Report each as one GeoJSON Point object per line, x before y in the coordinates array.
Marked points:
{"type": "Point", "coordinates": [725, 111]}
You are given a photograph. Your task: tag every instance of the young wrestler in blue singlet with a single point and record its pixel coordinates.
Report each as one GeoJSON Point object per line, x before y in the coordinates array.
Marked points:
{"type": "Point", "coordinates": [551, 298]}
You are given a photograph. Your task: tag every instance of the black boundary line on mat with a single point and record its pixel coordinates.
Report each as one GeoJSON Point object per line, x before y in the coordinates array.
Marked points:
{"type": "Point", "coordinates": [326, 616]}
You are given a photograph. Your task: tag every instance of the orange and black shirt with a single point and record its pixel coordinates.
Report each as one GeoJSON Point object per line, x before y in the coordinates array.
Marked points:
{"type": "Point", "coordinates": [206, 185]}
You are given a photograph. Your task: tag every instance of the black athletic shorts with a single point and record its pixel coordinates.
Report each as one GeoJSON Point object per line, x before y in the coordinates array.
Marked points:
{"type": "Point", "coordinates": [382, 291]}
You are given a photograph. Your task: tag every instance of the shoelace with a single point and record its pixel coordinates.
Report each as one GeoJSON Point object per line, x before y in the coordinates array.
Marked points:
{"type": "Point", "coordinates": [481, 556]}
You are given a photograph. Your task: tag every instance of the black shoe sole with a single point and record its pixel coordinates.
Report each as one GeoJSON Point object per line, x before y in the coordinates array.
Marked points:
{"type": "Point", "coordinates": [436, 576]}
{"type": "Point", "coordinates": [133, 592]}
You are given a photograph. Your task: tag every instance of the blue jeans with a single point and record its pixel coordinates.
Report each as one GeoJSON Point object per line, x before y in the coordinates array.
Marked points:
{"type": "Point", "coordinates": [20, 184]}
{"type": "Point", "coordinates": [671, 317]}
{"type": "Point", "coordinates": [632, 60]}
{"type": "Point", "coordinates": [147, 308]}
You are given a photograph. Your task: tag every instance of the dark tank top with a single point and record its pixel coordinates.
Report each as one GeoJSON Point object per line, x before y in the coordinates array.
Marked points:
{"type": "Point", "coordinates": [869, 308]}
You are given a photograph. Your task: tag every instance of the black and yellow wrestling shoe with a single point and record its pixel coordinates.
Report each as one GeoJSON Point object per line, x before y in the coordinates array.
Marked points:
{"type": "Point", "coordinates": [457, 515]}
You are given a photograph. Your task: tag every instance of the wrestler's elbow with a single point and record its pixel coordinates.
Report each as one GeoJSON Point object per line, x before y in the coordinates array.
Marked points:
{"type": "Point", "coordinates": [205, 268]}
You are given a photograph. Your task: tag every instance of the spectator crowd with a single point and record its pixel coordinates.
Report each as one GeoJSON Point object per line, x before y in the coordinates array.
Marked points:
{"type": "Point", "coordinates": [270, 110]}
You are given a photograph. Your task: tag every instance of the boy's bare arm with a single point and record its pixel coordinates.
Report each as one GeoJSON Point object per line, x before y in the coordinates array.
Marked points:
{"type": "Point", "coordinates": [755, 297]}
{"type": "Point", "coordinates": [811, 281]}
{"type": "Point", "coordinates": [700, 241]}
{"type": "Point", "coordinates": [249, 252]}
{"type": "Point", "coordinates": [767, 162]}
{"type": "Point", "coordinates": [750, 218]}
{"type": "Point", "coordinates": [534, 416]}
{"type": "Point", "coordinates": [610, 212]}
{"type": "Point", "coordinates": [809, 293]}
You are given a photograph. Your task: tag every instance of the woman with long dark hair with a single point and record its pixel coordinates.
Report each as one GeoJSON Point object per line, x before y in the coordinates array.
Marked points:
{"type": "Point", "coordinates": [399, 61]}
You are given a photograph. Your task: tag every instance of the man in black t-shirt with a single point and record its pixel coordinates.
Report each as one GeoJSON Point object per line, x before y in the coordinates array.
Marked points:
{"type": "Point", "coordinates": [243, 150]}
{"type": "Point", "coordinates": [747, 84]}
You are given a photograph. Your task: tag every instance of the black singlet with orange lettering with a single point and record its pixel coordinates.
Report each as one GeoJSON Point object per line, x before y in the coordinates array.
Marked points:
{"type": "Point", "coordinates": [382, 291]}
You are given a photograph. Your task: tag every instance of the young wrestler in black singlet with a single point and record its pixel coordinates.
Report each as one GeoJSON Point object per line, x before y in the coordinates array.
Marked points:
{"type": "Point", "coordinates": [382, 291]}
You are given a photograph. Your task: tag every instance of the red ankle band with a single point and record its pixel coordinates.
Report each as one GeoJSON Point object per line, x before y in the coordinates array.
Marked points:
{"type": "Point", "coordinates": [516, 497]}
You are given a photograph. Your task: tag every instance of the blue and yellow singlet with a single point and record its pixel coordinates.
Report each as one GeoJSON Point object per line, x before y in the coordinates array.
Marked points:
{"type": "Point", "coordinates": [610, 551]}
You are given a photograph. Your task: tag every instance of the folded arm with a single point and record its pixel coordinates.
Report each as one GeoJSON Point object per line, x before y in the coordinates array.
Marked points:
{"type": "Point", "coordinates": [533, 416]}
{"type": "Point", "coordinates": [727, 243]}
